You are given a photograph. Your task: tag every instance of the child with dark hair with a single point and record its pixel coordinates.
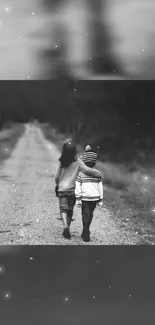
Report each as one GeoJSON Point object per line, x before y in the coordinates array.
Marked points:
{"type": "Point", "coordinates": [89, 192]}
{"type": "Point", "coordinates": [69, 167]}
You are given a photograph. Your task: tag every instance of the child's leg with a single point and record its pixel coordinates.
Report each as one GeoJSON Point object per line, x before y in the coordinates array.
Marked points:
{"type": "Point", "coordinates": [86, 216]}
{"type": "Point", "coordinates": [64, 216]}
{"type": "Point", "coordinates": [71, 203]}
{"type": "Point", "coordinates": [70, 215]}
{"type": "Point", "coordinates": [92, 208]}
{"type": "Point", "coordinates": [63, 203]}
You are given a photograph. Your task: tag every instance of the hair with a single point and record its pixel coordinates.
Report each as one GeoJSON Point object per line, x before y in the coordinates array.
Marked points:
{"type": "Point", "coordinates": [90, 164]}
{"type": "Point", "coordinates": [69, 152]}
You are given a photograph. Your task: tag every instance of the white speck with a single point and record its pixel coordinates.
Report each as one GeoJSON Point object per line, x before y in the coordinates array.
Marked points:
{"type": "Point", "coordinates": [129, 296]}
{"type": "Point", "coordinates": [28, 77]}
{"type": "Point", "coordinates": [37, 220]}
{"type": "Point", "coordinates": [32, 13]}
{"type": "Point", "coordinates": [146, 177]}
{"type": "Point", "coordinates": [22, 233]}
{"type": "Point", "coordinates": [74, 89]}
{"type": "Point", "coordinates": [89, 58]}
{"type": "Point", "coordinates": [1, 269]}
{"type": "Point", "coordinates": [7, 295]}
{"type": "Point", "coordinates": [56, 45]}
{"type": "Point", "coordinates": [6, 149]}
{"type": "Point", "coordinates": [143, 50]}
{"type": "Point", "coordinates": [31, 258]}
{"type": "Point", "coordinates": [109, 287]}
{"type": "Point", "coordinates": [20, 36]}
{"type": "Point", "coordinates": [94, 297]}
{"type": "Point", "coordinates": [6, 9]}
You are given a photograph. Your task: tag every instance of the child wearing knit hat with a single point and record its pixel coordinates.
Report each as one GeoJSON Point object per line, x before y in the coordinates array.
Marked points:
{"type": "Point", "coordinates": [88, 192]}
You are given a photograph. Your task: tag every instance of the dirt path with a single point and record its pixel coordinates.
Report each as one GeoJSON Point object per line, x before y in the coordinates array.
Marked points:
{"type": "Point", "coordinates": [29, 208]}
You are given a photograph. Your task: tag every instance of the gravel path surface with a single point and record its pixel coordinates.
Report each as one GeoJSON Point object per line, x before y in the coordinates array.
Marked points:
{"type": "Point", "coordinates": [29, 208]}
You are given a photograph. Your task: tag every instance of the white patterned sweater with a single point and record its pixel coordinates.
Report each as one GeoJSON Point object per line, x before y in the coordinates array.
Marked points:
{"type": "Point", "coordinates": [88, 188]}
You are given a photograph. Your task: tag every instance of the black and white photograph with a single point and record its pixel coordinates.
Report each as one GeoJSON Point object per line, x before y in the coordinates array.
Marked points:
{"type": "Point", "coordinates": [77, 163]}
{"type": "Point", "coordinates": [77, 157]}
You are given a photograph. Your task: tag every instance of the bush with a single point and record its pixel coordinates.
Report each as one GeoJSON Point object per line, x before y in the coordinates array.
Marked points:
{"type": "Point", "coordinates": [8, 140]}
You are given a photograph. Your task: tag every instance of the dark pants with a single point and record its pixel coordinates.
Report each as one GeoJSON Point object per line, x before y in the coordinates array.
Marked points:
{"type": "Point", "coordinates": [66, 205]}
{"type": "Point", "coordinates": [88, 208]}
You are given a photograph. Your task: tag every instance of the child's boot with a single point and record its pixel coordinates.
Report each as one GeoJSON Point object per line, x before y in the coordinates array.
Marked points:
{"type": "Point", "coordinates": [66, 232]}
{"type": "Point", "coordinates": [86, 233]}
{"type": "Point", "coordinates": [86, 236]}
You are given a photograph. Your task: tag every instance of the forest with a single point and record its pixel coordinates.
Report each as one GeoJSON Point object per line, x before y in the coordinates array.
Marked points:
{"type": "Point", "coordinates": [116, 116]}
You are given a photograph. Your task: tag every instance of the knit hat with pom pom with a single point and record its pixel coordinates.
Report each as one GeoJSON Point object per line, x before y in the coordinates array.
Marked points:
{"type": "Point", "coordinates": [89, 156]}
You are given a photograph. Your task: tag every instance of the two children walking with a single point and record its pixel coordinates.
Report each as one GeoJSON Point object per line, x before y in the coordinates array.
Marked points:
{"type": "Point", "coordinates": [78, 182]}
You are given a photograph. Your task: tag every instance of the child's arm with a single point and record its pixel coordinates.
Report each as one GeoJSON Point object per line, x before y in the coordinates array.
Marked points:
{"type": "Point", "coordinates": [100, 192]}
{"type": "Point", "coordinates": [58, 174]}
{"type": "Point", "coordinates": [78, 190]}
{"type": "Point", "coordinates": [89, 171]}
{"type": "Point", "coordinates": [57, 179]}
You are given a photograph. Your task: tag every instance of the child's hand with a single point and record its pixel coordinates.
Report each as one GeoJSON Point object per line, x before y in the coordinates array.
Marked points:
{"type": "Point", "coordinates": [56, 190]}
{"type": "Point", "coordinates": [100, 203]}
{"type": "Point", "coordinates": [78, 203]}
